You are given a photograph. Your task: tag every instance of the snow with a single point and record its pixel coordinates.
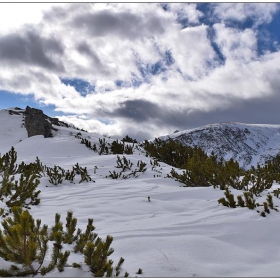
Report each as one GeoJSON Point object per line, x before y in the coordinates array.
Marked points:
{"type": "Point", "coordinates": [181, 232]}
{"type": "Point", "coordinates": [248, 144]}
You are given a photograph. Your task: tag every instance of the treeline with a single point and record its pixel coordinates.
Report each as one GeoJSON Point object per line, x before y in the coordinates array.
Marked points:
{"type": "Point", "coordinates": [200, 169]}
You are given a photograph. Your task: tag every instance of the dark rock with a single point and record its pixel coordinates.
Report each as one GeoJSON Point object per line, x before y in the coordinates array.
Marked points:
{"type": "Point", "coordinates": [54, 121]}
{"type": "Point", "coordinates": [11, 112]}
{"type": "Point", "coordinates": [37, 123]}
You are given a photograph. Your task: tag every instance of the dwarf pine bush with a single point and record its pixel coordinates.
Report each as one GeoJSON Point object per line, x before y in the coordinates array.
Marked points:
{"type": "Point", "coordinates": [24, 191]}
{"type": "Point", "coordinates": [115, 175]}
{"type": "Point", "coordinates": [228, 200]}
{"type": "Point", "coordinates": [20, 192]}
{"type": "Point", "coordinates": [123, 163]}
{"type": "Point", "coordinates": [240, 201]}
{"type": "Point", "coordinates": [96, 255]}
{"type": "Point", "coordinates": [142, 166]}
{"type": "Point", "coordinates": [129, 139]}
{"type": "Point", "coordinates": [249, 200]}
{"type": "Point", "coordinates": [270, 202]}
{"type": "Point", "coordinates": [83, 238]}
{"type": "Point", "coordinates": [8, 162]}
{"type": "Point", "coordinates": [103, 148]}
{"type": "Point", "coordinates": [265, 206]}
{"type": "Point", "coordinates": [25, 243]}
{"type": "Point", "coordinates": [56, 175]}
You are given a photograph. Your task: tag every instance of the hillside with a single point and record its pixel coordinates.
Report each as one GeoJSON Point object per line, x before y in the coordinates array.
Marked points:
{"type": "Point", "coordinates": [181, 232]}
{"type": "Point", "coordinates": [249, 144]}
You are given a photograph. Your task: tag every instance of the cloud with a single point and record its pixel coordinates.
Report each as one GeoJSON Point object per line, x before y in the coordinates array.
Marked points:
{"type": "Point", "coordinates": [30, 48]}
{"type": "Point", "coordinates": [260, 13]}
{"type": "Point", "coordinates": [137, 110]}
{"type": "Point", "coordinates": [84, 49]}
{"type": "Point", "coordinates": [236, 44]}
{"type": "Point", "coordinates": [124, 24]}
{"type": "Point", "coordinates": [185, 12]}
{"type": "Point", "coordinates": [141, 69]}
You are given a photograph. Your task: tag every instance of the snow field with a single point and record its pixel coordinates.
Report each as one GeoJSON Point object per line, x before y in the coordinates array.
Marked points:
{"type": "Point", "coordinates": [181, 232]}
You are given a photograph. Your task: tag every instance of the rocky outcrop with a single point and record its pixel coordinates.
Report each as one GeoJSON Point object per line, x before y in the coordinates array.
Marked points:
{"type": "Point", "coordinates": [248, 144]}
{"type": "Point", "coordinates": [37, 123]}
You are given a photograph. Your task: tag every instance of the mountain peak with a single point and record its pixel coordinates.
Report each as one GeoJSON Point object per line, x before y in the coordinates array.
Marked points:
{"type": "Point", "coordinates": [248, 144]}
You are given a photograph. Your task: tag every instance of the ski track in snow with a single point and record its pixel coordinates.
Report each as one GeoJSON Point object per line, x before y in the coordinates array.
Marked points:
{"type": "Point", "coordinates": [182, 232]}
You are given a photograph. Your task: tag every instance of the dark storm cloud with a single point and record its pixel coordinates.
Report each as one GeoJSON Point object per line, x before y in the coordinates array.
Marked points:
{"type": "Point", "coordinates": [31, 49]}
{"type": "Point", "coordinates": [122, 24]}
{"type": "Point", "coordinates": [254, 111]}
{"type": "Point", "coordinates": [137, 110]}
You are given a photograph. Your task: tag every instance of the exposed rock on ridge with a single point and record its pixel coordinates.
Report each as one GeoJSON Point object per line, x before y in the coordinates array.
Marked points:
{"type": "Point", "coordinates": [37, 123]}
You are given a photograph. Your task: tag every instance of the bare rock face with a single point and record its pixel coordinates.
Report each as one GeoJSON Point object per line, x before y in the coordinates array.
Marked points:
{"type": "Point", "coordinates": [37, 123]}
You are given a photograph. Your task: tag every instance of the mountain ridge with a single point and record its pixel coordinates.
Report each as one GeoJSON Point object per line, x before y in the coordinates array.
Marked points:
{"type": "Point", "coordinates": [249, 144]}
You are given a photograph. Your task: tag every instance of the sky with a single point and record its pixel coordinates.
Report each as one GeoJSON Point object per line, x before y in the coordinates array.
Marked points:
{"type": "Point", "coordinates": [142, 69]}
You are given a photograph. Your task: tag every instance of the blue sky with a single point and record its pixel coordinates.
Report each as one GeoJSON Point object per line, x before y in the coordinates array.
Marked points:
{"type": "Point", "coordinates": [143, 69]}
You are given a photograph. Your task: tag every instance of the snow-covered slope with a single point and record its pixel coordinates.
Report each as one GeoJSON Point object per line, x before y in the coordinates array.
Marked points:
{"type": "Point", "coordinates": [12, 129]}
{"type": "Point", "coordinates": [249, 144]}
{"type": "Point", "coordinates": [181, 232]}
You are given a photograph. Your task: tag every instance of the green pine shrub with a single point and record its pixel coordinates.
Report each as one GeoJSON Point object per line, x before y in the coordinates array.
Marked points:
{"type": "Point", "coordinates": [115, 175]}
{"type": "Point", "coordinates": [57, 230]}
{"type": "Point", "coordinates": [96, 255]}
{"type": "Point", "coordinates": [83, 238]}
{"type": "Point", "coordinates": [56, 175]}
{"type": "Point", "coordinates": [103, 148]}
{"type": "Point", "coordinates": [24, 191]}
{"type": "Point", "coordinates": [118, 266]}
{"type": "Point", "coordinates": [20, 192]}
{"type": "Point", "coordinates": [129, 139]}
{"type": "Point", "coordinates": [76, 265]}
{"type": "Point", "coordinates": [270, 202]}
{"type": "Point", "coordinates": [35, 167]}
{"type": "Point", "coordinates": [240, 201]}
{"type": "Point", "coordinates": [263, 214]}
{"type": "Point", "coordinates": [70, 228]}
{"type": "Point", "coordinates": [266, 209]}
{"type": "Point", "coordinates": [142, 166]}
{"type": "Point", "coordinates": [25, 244]}
{"type": "Point", "coordinates": [117, 148]}
{"type": "Point", "coordinates": [249, 200]}
{"type": "Point", "coordinates": [124, 163]}
{"type": "Point", "coordinates": [228, 200]}
{"type": "Point", "coordinates": [8, 162]}
{"type": "Point", "coordinates": [276, 192]}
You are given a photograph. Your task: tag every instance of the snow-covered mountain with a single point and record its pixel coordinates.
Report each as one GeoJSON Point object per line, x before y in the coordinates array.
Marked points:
{"type": "Point", "coordinates": [180, 232]}
{"type": "Point", "coordinates": [249, 144]}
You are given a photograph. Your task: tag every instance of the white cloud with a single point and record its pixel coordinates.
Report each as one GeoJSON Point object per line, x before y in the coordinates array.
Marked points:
{"type": "Point", "coordinates": [186, 11]}
{"type": "Point", "coordinates": [14, 15]}
{"type": "Point", "coordinates": [196, 80]}
{"type": "Point", "coordinates": [260, 12]}
{"type": "Point", "coordinates": [192, 51]}
{"type": "Point", "coordinates": [236, 44]}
